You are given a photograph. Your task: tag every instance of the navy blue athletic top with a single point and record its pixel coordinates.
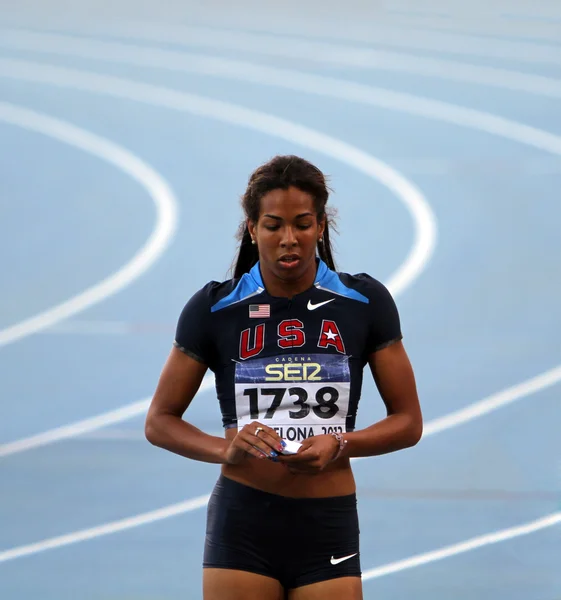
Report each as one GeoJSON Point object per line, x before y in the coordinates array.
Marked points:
{"type": "Point", "coordinates": [293, 364]}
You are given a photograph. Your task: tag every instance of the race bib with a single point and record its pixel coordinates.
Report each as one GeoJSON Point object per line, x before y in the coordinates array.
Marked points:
{"type": "Point", "coordinates": [298, 396]}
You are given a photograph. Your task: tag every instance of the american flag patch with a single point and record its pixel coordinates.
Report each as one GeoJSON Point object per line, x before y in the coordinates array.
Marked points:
{"type": "Point", "coordinates": [259, 311]}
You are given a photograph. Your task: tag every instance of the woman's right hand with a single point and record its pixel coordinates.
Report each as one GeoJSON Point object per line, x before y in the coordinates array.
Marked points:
{"type": "Point", "coordinates": [254, 439]}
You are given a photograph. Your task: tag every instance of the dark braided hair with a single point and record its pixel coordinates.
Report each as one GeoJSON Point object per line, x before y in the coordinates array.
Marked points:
{"type": "Point", "coordinates": [281, 172]}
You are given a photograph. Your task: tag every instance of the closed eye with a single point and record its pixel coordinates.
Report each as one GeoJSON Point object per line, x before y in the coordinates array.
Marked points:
{"type": "Point", "coordinates": [276, 227]}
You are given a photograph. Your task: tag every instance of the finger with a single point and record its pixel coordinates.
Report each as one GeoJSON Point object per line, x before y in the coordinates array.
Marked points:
{"type": "Point", "coordinates": [265, 434]}
{"type": "Point", "coordinates": [271, 439]}
{"type": "Point", "coordinates": [251, 449]}
{"type": "Point", "coordinates": [256, 442]}
{"type": "Point", "coordinates": [307, 443]}
{"type": "Point", "coordinates": [301, 457]}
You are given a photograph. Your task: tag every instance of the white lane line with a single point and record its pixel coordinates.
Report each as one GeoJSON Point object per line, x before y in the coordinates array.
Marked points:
{"type": "Point", "coordinates": [424, 221]}
{"type": "Point", "coordinates": [493, 402]}
{"type": "Point", "coordinates": [94, 532]}
{"type": "Point", "coordinates": [201, 501]}
{"type": "Point", "coordinates": [324, 86]}
{"type": "Point", "coordinates": [429, 108]}
{"type": "Point", "coordinates": [478, 409]}
{"type": "Point", "coordinates": [100, 327]}
{"type": "Point", "coordinates": [135, 409]}
{"type": "Point", "coordinates": [65, 432]}
{"type": "Point", "coordinates": [308, 83]}
{"type": "Point", "coordinates": [120, 522]}
{"type": "Point", "coordinates": [322, 52]}
{"type": "Point", "coordinates": [146, 176]}
{"type": "Point", "coordinates": [490, 403]}
{"type": "Point", "coordinates": [466, 546]}
{"type": "Point", "coordinates": [246, 41]}
{"type": "Point", "coordinates": [407, 192]}
{"type": "Point", "coordinates": [457, 115]}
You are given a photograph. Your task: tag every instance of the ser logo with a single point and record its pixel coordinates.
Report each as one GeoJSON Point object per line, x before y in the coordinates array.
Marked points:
{"type": "Point", "coordinates": [293, 372]}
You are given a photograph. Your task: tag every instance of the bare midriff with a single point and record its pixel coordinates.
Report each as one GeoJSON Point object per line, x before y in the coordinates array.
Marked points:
{"type": "Point", "coordinates": [262, 473]}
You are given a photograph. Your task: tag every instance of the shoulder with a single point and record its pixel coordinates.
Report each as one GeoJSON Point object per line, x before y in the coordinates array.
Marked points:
{"type": "Point", "coordinates": [382, 315]}
{"type": "Point", "coordinates": [369, 287]}
{"type": "Point", "coordinates": [360, 287]}
{"type": "Point", "coordinates": [209, 295]}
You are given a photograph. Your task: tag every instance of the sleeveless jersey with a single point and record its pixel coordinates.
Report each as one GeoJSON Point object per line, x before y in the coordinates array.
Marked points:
{"type": "Point", "coordinates": [294, 364]}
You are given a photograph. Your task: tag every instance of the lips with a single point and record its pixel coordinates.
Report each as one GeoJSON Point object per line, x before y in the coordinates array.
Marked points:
{"type": "Point", "coordinates": [288, 258]}
{"type": "Point", "coordinates": [289, 261]}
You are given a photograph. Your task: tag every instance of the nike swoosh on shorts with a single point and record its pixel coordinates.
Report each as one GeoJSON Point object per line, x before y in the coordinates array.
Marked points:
{"type": "Point", "coordinates": [336, 561]}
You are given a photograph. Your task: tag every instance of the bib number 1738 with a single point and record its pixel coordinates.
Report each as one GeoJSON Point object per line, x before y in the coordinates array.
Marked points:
{"type": "Point", "coordinates": [323, 403]}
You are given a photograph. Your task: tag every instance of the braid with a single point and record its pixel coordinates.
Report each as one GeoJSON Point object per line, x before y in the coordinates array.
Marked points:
{"type": "Point", "coordinates": [248, 254]}
{"type": "Point", "coordinates": [324, 248]}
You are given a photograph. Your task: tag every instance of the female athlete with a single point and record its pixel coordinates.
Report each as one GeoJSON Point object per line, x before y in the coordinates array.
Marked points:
{"type": "Point", "coordinates": [287, 339]}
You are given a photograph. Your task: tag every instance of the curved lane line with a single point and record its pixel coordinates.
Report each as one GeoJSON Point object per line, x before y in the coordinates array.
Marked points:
{"type": "Point", "coordinates": [247, 41]}
{"type": "Point", "coordinates": [146, 176]}
{"type": "Point", "coordinates": [425, 225]}
{"type": "Point", "coordinates": [324, 53]}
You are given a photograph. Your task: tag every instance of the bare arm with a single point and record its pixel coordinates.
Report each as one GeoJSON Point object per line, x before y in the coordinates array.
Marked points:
{"type": "Point", "coordinates": [403, 426]}
{"type": "Point", "coordinates": [164, 427]}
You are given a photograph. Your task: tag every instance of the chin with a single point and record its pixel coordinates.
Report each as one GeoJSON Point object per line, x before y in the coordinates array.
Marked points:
{"type": "Point", "coordinates": [292, 274]}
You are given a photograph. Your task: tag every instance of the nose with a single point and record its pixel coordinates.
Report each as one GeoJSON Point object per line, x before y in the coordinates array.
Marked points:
{"type": "Point", "coordinates": [289, 238]}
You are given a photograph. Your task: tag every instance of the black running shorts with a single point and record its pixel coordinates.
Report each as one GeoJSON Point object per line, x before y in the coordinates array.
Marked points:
{"type": "Point", "coordinates": [297, 541]}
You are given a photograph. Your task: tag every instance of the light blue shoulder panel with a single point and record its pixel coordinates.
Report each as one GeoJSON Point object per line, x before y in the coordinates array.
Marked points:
{"type": "Point", "coordinates": [328, 280]}
{"type": "Point", "coordinates": [250, 284]}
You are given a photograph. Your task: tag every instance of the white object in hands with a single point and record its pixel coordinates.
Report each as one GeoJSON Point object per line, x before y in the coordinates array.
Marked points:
{"type": "Point", "coordinates": [291, 447]}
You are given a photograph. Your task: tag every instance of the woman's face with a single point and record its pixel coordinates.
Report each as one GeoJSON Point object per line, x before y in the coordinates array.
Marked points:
{"type": "Point", "coordinates": [287, 234]}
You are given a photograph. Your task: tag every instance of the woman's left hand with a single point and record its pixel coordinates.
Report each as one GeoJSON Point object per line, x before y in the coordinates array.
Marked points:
{"type": "Point", "coordinates": [313, 456]}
